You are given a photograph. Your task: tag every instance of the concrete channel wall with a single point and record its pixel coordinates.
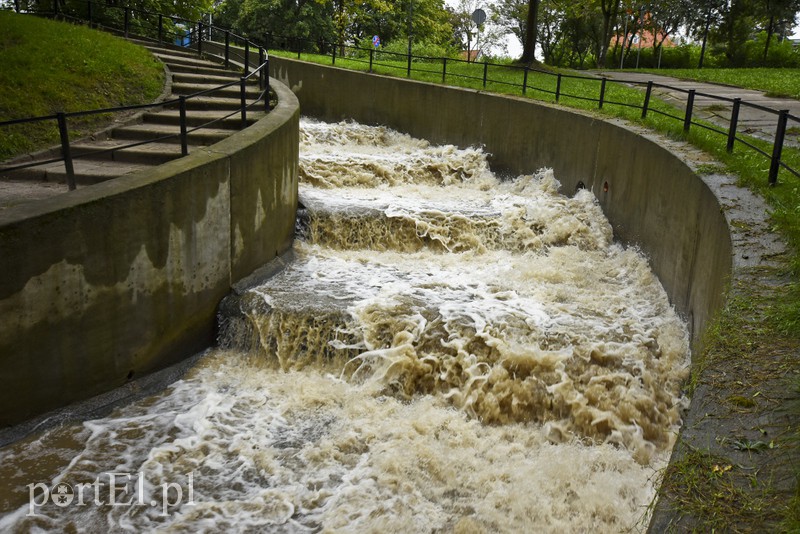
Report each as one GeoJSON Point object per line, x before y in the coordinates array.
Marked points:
{"type": "Point", "coordinates": [651, 196]}
{"type": "Point", "coordinates": [120, 279]}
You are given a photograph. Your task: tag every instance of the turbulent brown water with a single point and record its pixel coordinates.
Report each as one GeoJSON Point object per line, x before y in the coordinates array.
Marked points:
{"type": "Point", "coordinates": [446, 352]}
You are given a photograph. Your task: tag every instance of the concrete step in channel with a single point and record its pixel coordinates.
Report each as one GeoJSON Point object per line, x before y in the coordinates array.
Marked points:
{"type": "Point", "coordinates": [99, 160]}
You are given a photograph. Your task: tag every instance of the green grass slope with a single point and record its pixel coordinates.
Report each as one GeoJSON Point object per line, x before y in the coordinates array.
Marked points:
{"type": "Point", "coordinates": [48, 66]}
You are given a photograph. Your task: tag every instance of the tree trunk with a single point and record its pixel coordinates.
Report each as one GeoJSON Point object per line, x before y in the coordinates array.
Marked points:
{"type": "Point", "coordinates": [529, 46]}
{"type": "Point", "coordinates": [770, 32]}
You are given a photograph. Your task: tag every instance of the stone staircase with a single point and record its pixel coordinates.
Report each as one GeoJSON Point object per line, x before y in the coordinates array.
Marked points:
{"type": "Point", "coordinates": [97, 159]}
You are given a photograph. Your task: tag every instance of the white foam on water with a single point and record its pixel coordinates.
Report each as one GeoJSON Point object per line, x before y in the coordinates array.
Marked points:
{"type": "Point", "coordinates": [511, 370]}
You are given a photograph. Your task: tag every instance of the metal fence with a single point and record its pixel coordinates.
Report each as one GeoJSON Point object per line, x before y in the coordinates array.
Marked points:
{"type": "Point", "coordinates": [160, 29]}
{"type": "Point", "coordinates": [410, 63]}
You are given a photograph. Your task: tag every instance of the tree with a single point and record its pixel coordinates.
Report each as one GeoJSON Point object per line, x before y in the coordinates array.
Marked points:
{"type": "Point", "coordinates": [531, 29]}
{"type": "Point", "coordinates": [776, 13]}
{"type": "Point", "coordinates": [700, 20]}
{"type": "Point", "coordinates": [664, 19]}
{"type": "Point", "coordinates": [488, 37]}
{"type": "Point", "coordinates": [610, 11]}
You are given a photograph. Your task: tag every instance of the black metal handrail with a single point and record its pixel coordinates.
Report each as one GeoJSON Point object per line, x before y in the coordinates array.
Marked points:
{"type": "Point", "coordinates": [194, 37]}
{"type": "Point", "coordinates": [368, 56]}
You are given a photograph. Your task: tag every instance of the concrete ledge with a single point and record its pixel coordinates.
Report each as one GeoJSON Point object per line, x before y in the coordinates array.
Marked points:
{"type": "Point", "coordinates": [123, 278]}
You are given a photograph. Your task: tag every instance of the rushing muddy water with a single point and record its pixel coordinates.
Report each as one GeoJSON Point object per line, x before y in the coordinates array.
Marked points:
{"type": "Point", "coordinates": [446, 352]}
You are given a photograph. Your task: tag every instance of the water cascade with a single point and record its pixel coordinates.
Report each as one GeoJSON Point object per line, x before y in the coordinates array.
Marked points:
{"type": "Point", "coordinates": [445, 351]}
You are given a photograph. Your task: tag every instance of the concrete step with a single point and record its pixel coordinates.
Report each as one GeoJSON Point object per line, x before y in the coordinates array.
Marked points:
{"type": "Point", "coordinates": [208, 70]}
{"type": "Point", "coordinates": [171, 60]}
{"type": "Point", "coordinates": [234, 91]}
{"type": "Point", "coordinates": [87, 172]}
{"type": "Point", "coordinates": [187, 77]}
{"type": "Point", "coordinates": [155, 49]}
{"type": "Point", "coordinates": [170, 134]}
{"type": "Point", "coordinates": [210, 103]}
{"type": "Point", "coordinates": [149, 154]}
{"type": "Point", "coordinates": [202, 117]}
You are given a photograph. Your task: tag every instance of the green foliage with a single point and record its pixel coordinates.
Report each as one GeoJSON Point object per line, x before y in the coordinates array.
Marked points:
{"type": "Point", "coordinates": [313, 25]}
{"type": "Point", "coordinates": [52, 66]}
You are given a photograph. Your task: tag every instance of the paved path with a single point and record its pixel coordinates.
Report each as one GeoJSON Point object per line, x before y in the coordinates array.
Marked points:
{"type": "Point", "coordinates": [752, 121]}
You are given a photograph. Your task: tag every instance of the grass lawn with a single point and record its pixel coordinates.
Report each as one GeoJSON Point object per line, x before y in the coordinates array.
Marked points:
{"type": "Point", "coordinates": [50, 66]}
{"type": "Point", "coordinates": [774, 82]}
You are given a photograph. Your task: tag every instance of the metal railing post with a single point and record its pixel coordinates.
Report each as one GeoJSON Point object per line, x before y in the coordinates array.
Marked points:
{"type": "Point", "coordinates": [371, 56]}
{"type": "Point", "coordinates": [160, 28]}
{"type": "Point", "coordinates": [647, 94]}
{"type": "Point", "coordinates": [246, 57]}
{"type": "Point", "coordinates": [227, 48]}
{"type": "Point", "coordinates": [408, 69]}
{"type": "Point", "coordinates": [558, 86]}
{"type": "Point", "coordinates": [780, 134]}
{"type": "Point", "coordinates": [737, 103]}
{"type": "Point", "coordinates": [89, 12]}
{"type": "Point", "coordinates": [485, 72]}
{"type": "Point", "coordinates": [127, 20]}
{"type": "Point", "coordinates": [55, 8]}
{"type": "Point", "coordinates": [333, 56]}
{"type": "Point", "coordinates": [261, 58]}
{"type": "Point", "coordinates": [525, 81]}
{"type": "Point", "coordinates": [266, 85]}
{"type": "Point", "coordinates": [200, 37]}
{"type": "Point", "coordinates": [602, 93]}
{"type": "Point", "coordinates": [687, 121]}
{"type": "Point", "coordinates": [444, 69]}
{"type": "Point", "coordinates": [184, 134]}
{"type": "Point", "coordinates": [243, 91]}
{"type": "Point", "coordinates": [65, 151]}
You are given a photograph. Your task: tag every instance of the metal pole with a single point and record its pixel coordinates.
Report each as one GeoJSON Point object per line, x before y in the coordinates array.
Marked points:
{"type": "Point", "coordinates": [261, 58]}
{"type": "Point", "coordinates": [780, 134]}
{"type": "Point", "coordinates": [184, 134]}
{"type": "Point", "coordinates": [646, 104]}
{"type": "Point", "coordinates": [266, 88]}
{"type": "Point", "coordinates": [333, 60]}
{"type": "Point", "coordinates": [371, 54]}
{"type": "Point", "coordinates": [410, 34]}
{"type": "Point", "coordinates": [687, 121]}
{"type": "Point", "coordinates": [65, 152]}
{"type": "Point", "coordinates": [243, 92]}
{"type": "Point", "coordinates": [525, 80]}
{"type": "Point", "coordinates": [602, 92]}
{"type": "Point", "coordinates": [200, 37]}
{"type": "Point", "coordinates": [246, 57]}
{"type": "Point", "coordinates": [127, 20]}
{"type": "Point", "coordinates": [227, 48]}
{"type": "Point", "coordinates": [737, 102]}
{"type": "Point", "coordinates": [485, 72]}
{"type": "Point", "coordinates": [558, 87]}
{"type": "Point", "coordinates": [444, 69]}
{"type": "Point", "coordinates": [160, 28]}
{"type": "Point", "coordinates": [89, 12]}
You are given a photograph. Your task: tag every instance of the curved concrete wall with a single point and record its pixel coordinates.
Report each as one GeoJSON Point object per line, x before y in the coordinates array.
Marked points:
{"type": "Point", "coordinates": [653, 199]}
{"type": "Point", "coordinates": [122, 278]}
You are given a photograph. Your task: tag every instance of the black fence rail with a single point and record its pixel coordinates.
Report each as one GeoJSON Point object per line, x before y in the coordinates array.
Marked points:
{"type": "Point", "coordinates": [159, 29]}
{"type": "Point", "coordinates": [438, 66]}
